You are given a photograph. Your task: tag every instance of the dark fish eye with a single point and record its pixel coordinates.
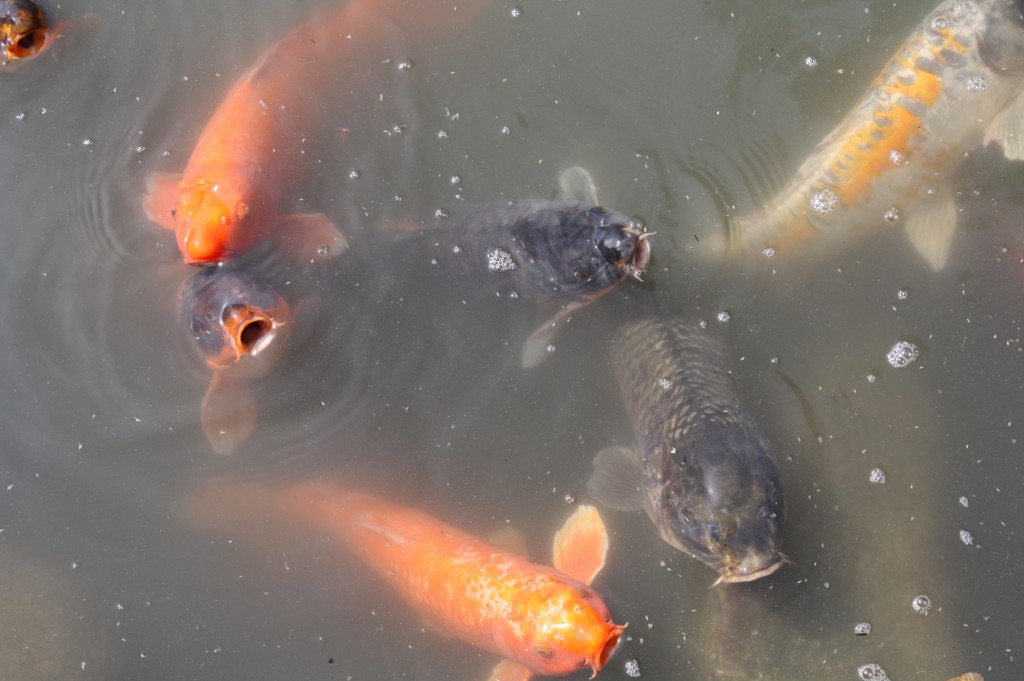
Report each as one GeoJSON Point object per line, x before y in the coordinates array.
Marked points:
{"type": "Point", "coordinates": [714, 532]}
{"type": "Point", "coordinates": [174, 211]}
{"type": "Point", "coordinates": [612, 247]}
{"type": "Point", "coordinates": [27, 42]}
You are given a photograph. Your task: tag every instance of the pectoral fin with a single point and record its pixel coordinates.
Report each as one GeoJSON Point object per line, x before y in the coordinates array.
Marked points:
{"type": "Point", "coordinates": [616, 481]}
{"type": "Point", "coordinates": [535, 350]}
{"type": "Point", "coordinates": [507, 670]}
{"type": "Point", "coordinates": [930, 227]}
{"type": "Point", "coordinates": [228, 412]}
{"type": "Point", "coordinates": [1007, 128]}
{"type": "Point", "coordinates": [161, 197]}
{"type": "Point", "coordinates": [576, 184]}
{"type": "Point", "coordinates": [581, 546]}
{"type": "Point", "coordinates": [308, 237]}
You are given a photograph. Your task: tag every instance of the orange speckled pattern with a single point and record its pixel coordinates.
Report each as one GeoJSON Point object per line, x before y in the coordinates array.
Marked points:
{"type": "Point", "coordinates": [533, 615]}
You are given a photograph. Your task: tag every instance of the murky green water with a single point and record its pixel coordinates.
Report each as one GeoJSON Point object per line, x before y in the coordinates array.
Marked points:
{"type": "Point", "coordinates": [681, 111]}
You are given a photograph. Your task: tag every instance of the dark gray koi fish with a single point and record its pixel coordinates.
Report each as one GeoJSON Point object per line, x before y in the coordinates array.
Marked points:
{"type": "Point", "coordinates": [237, 324]}
{"type": "Point", "coordinates": [701, 467]}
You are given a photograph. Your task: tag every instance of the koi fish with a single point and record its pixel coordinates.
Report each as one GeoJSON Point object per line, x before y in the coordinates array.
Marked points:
{"type": "Point", "coordinates": [23, 31]}
{"type": "Point", "coordinates": [246, 160]}
{"type": "Point", "coordinates": [701, 467]}
{"type": "Point", "coordinates": [237, 324]}
{"type": "Point", "coordinates": [956, 83]}
{"type": "Point", "coordinates": [540, 620]}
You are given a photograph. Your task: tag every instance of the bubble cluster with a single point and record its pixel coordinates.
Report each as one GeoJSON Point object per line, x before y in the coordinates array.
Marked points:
{"type": "Point", "coordinates": [724, 316]}
{"type": "Point", "coordinates": [871, 672]}
{"type": "Point", "coordinates": [877, 476]}
{"type": "Point", "coordinates": [570, 498]}
{"type": "Point", "coordinates": [500, 260]}
{"type": "Point", "coordinates": [441, 214]}
{"type": "Point", "coordinates": [768, 252]}
{"type": "Point", "coordinates": [862, 628]}
{"type": "Point", "coordinates": [965, 502]}
{"type": "Point", "coordinates": [871, 378]}
{"type": "Point", "coordinates": [897, 158]}
{"type": "Point", "coordinates": [516, 12]}
{"type": "Point", "coordinates": [825, 200]}
{"type": "Point", "coordinates": [966, 537]}
{"type": "Point", "coordinates": [976, 84]}
{"type": "Point", "coordinates": [921, 604]}
{"type": "Point", "coordinates": [405, 65]}
{"type": "Point", "coordinates": [632, 669]}
{"type": "Point", "coordinates": [902, 294]}
{"type": "Point", "coordinates": [354, 174]}
{"type": "Point", "coordinates": [810, 61]}
{"type": "Point", "coordinates": [665, 384]}
{"type": "Point", "coordinates": [903, 354]}
{"type": "Point", "coordinates": [893, 215]}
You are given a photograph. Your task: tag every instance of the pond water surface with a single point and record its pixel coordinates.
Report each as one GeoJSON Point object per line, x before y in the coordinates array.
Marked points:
{"type": "Point", "coordinates": [683, 112]}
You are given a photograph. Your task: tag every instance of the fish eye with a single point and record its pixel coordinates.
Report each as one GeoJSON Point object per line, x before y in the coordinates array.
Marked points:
{"type": "Point", "coordinates": [613, 247]}
{"type": "Point", "coordinates": [714, 532]}
{"type": "Point", "coordinates": [28, 41]}
{"type": "Point", "coordinates": [174, 211]}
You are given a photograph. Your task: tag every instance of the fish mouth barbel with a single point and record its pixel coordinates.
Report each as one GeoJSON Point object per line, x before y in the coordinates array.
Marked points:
{"type": "Point", "coordinates": [701, 466]}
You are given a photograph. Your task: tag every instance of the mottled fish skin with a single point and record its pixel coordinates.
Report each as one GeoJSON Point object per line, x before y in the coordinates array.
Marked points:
{"type": "Point", "coordinates": [708, 481]}
{"type": "Point", "coordinates": [564, 251]}
{"type": "Point", "coordinates": [953, 85]}
{"type": "Point", "coordinates": [230, 315]}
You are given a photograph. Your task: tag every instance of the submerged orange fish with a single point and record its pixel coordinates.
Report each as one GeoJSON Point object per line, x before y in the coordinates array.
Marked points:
{"type": "Point", "coordinates": [237, 324]}
{"type": "Point", "coordinates": [248, 156]}
{"type": "Point", "coordinates": [23, 30]}
{"type": "Point", "coordinates": [955, 84]}
{"type": "Point", "coordinates": [540, 620]}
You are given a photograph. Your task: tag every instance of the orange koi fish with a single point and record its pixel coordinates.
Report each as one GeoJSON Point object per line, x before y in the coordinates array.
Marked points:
{"type": "Point", "coordinates": [237, 324]}
{"type": "Point", "coordinates": [956, 83]}
{"type": "Point", "coordinates": [23, 31]}
{"type": "Point", "coordinates": [247, 158]}
{"type": "Point", "coordinates": [540, 620]}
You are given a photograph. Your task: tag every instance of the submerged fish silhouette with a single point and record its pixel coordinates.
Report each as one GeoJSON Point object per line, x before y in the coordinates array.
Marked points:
{"type": "Point", "coordinates": [956, 83]}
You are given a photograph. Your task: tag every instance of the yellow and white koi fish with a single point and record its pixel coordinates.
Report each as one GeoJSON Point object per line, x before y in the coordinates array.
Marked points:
{"type": "Point", "coordinates": [955, 84]}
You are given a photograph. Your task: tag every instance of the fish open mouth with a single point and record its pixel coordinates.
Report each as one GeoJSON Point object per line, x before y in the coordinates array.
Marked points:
{"type": "Point", "coordinates": [642, 256]}
{"type": "Point", "coordinates": [736, 573]}
{"type": "Point", "coordinates": [603, 655]}
{"type": "Point", "coordinates": [27, 44]}
{"type": "Point", "coordinates": [250, 331]}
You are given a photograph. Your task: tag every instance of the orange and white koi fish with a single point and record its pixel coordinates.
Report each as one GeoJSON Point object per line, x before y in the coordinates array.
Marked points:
{"type": "Point", "coordinates": [24, 32]}
{"type": "Point", "coordinates": [955, 84]}
{"type": "Point", "coordinates": [238, 325]}
{"type": "Point", "coordinates": [246, 160]}
{"type": "Point", "coordinates": [540, 620]}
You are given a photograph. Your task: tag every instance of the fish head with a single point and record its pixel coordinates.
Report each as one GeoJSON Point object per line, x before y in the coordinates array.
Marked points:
{"type": "Point", "coordinates": [213, 222]}
{"type": "Point", "coordinates": [726, 511]}
{"type": "Point", "coordinates": [569, 628]}
{"type": "Point", "coordinates": [1000, 43]}
{"type": "Point", "coordinates": [23, 31]}
{"type": "Point", "coordinates": [589, 250]}
{"type": "Point", "coordinates": [234, 319]}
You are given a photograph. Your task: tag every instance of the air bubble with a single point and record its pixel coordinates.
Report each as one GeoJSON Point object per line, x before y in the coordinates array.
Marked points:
{"type": "Point", "coordinates": [703, 323]}
{"type": "Point", "coordinates": [976, 84]}
{"type": "Point", "coordinates": [399, 128]}
{"type": "Point", "coordinates": [871, 378]}
{"type": "Point", "coordinates": [966, 537]}
{"type": "Point", "coordinates": [871, 672]}
{"type": "Point", "coordinates": [505, 130]}
{"type": "Point", "coordinates": [893, 215]}
{"type": "Point", "coordinates": [965, 502]}
{"type": "Point", "coordinates": [768, 252]}
{"type": "Point", "coordinates": [323, 250]}
{"type": "Point", "coordinates": [88, 142]}
{"type": "Point", "coordinates": [939, 23]}
{"type": "Point", "coordinates": [724, 316]}
{"type": "Point", "coordinates": [877, 476]}
{"type": "Point", "coordinates": [632, 669]}
{"type": "Point", "coordinates": [774, 360]}
{"type": "Point", "coordinates": [902, 294]}
{"type": "Point", "coordinates": [570, 499]}
{"type": "Point", "coordinates": [825, 200]}
{"type": "Point", "coordinates": [921, 604]}
{"type": "Point", "coordinates": [20, 116]}
{"type": "Point", "coordinates": [441, 214]}
{"type": "Point", "coordinates": [862, 628]}
{"type": "Point", "coordinates": [354, 174]}
{"type": "Point", "coordinates": [903, 354]}
{"type": "Point", "coordinates": [810, 61]}
{"type": "Point", "coordinates": [405, 65]}
{"type": "Point", "coordinates": [500, 260]}
{"type": "Point", "coordinates": [515, 12]}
